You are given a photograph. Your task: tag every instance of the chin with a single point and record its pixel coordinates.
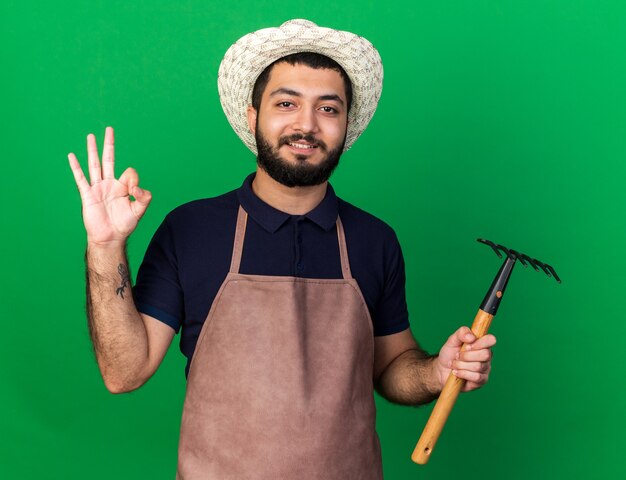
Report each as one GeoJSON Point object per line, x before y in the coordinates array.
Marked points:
{"type": "Point", "coordinates": [292, 169]}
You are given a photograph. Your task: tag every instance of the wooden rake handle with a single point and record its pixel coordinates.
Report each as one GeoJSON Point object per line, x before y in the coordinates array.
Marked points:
{"type": "Point", "coordinates": [448, 396]}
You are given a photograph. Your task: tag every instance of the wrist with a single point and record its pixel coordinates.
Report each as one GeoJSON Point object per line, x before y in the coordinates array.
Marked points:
{"type": "Point", "coordinates": [438, 376]}
{"type": "Point", "coordinates": [102, 257]}
{"type": "Point", "coordinates": [107, 246]}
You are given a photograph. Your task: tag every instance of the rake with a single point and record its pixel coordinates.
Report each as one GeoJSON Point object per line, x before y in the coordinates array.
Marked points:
{"type": "Point", "coordinates": [482, 321]}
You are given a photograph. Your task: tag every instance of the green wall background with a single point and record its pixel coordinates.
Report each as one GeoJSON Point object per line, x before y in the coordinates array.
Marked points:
{"type": "Point", "coordinates": [503, 120]}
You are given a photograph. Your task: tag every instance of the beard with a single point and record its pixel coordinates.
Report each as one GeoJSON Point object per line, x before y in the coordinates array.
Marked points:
{"type": "Point", "coordinates": [301, 174]}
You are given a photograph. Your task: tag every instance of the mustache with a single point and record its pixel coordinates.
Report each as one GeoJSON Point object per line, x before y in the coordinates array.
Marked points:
{"type": "Point", "coordinates": [307, 138]}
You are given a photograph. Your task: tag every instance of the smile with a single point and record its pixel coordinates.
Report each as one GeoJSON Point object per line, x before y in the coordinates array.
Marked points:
{"type": "Point", "coordinates": [302, 146]}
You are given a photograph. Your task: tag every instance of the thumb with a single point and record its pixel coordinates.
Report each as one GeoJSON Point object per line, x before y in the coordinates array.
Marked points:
{"type": "Point", "coordinates": [461, 336]}
{"type": "Point", "coordinates": [455, 342]}
{"type": "Point", "coordinates": [142, 200]}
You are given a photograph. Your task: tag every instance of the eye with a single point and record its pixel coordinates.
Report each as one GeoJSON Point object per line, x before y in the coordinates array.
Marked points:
{"type": "Point", "coordinates": [327, 109]}
{"type": "Point", "coordinates": [285, 104]}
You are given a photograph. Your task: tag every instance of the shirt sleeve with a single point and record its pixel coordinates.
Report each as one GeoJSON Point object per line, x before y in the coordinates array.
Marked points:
{"type": "Point", "coordinates": [157, 291]}
{"type": "Point", "coordinates": [391, 313]}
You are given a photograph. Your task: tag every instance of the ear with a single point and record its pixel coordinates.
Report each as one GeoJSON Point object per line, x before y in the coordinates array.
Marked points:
{"type": "Point", "coordinates": [252, 113]}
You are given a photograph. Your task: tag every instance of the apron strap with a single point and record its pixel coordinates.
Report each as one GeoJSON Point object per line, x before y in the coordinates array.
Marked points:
{"type": "Point", "coordinates": [343, 251]}
{"type": "Point", "coordinates": [240, 233]}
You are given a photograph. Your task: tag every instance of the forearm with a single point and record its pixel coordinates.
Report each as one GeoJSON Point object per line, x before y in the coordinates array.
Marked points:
{"type": "Point", "coordinates": [116, 328]}
{"type": "Point", "coordinates": [410, 379]}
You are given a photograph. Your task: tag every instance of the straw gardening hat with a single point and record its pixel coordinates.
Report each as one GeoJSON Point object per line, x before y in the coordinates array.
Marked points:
{"type": "Point", "coordinates": [246, 59]}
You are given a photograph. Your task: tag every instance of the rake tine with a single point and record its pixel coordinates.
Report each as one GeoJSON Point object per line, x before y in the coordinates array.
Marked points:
{"type": "Point", "coordinates": [543, 267]}
{"type": "Point", "coordinates": [496, 248]}
{"type": "Point", "coordinates": [556, 277]}
{"type": "Point", "coordinates": [522, 257]}
{"type": "Point", "coordinates": [525, 258]}
{"type": "Point", "coordinates": [492, 245]}
{"type": "Point", "coordinates": [518, 256]}
{"type": "Point", "coordinates": [549, 271]}
{"type": "Point", "coordinates": [508, 252]}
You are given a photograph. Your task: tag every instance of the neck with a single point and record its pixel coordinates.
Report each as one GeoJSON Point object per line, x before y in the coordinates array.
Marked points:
{"type": "Point", "coordinates": [291, 200]}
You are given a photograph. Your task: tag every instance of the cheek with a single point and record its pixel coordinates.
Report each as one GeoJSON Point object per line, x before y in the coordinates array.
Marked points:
{"type": "Point", "coordinates": [273, 126]}
{"type": "Point", "coordinates": [336, 131]}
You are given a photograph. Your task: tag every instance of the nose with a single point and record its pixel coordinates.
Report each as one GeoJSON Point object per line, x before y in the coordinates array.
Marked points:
{"type": "Point", "coordinates": [305, 120]}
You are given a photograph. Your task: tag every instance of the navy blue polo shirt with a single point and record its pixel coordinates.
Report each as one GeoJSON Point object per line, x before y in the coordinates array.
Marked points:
{"type": "Point", "coordinates": [189, 256]}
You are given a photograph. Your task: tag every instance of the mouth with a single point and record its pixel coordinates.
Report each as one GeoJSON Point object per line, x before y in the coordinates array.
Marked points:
{"type": "Point", "coordinates": [301, 147]}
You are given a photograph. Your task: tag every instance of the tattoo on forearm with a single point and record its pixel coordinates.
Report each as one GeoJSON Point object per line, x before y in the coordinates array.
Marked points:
{"type": "Point", "coordinates": [123, 271]}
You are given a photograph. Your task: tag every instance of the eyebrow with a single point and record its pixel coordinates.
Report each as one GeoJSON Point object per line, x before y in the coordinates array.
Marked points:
{"type": "Point", "coordinates": [288, 91]}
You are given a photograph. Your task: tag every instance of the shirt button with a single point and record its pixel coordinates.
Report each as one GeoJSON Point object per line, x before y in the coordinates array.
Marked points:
{"type": "Point", "coordinates": [300, 267]}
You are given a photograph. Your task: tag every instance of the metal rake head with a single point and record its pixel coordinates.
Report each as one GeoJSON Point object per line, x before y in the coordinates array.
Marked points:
{"type": "Point", "coordinates": [523, 258]}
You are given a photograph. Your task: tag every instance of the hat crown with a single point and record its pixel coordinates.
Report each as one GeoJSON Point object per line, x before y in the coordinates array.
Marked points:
{"type": "Point", "coordinates": [301, 22]}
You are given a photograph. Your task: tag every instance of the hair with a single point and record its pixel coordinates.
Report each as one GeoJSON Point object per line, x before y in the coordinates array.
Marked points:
{"type": "Point", "coordinates": [310, 59]}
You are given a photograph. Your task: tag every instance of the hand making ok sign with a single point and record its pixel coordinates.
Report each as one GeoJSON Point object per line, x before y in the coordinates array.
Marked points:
{"type": "Point", "coordinates": [108, 212]}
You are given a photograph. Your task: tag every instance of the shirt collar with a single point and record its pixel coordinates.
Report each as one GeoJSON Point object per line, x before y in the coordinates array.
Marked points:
{"type": "Point", "coordinates": [271, 219]}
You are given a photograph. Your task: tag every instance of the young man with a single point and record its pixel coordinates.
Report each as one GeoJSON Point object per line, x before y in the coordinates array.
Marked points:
{"type": "Point", "coordinates": [291, 301]}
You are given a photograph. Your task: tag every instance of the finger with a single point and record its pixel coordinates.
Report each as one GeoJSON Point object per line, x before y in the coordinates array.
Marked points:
{"type": "Point", "coordinates": [79, 176]}
{"type": "Point", "coordinates": [142, 201]}
{"type": "Point", "coordinates": [475, 377]}
{"type": "Point", "coordinates": [108, 155]}
{"type": "Point", "coordinates": [479, 367]}
{"type": "Point", "coordinates": [94, 162]}
{"type": "Point", "coordinates": [476, 381]}
{"type": "Point", "coordinates": [129, 178]}
{"type": "Point", "coordinates": [482, 355]}
{"type": "Point", "coordinates": [469, 386]}
{"type": "Point", "coordinates": [486, 341]}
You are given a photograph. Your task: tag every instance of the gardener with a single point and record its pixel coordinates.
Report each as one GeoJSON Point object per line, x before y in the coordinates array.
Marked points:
{"type": "Point", "coordinates": [291, 301]}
